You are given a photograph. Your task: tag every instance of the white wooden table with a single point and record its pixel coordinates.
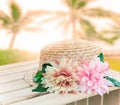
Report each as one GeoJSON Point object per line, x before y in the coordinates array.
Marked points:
{"type": "Point", "coordinates": [14, 90]}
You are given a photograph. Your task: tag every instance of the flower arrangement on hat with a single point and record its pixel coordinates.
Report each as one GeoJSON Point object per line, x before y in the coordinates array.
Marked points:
{"type": "Point", "coordinates": [64, 76]}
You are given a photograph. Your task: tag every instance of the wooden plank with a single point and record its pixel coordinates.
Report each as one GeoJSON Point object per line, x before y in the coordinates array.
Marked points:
{"type": "Point", "coordinates": [14, 65]}
{"type": "Point", "coordinates": [95, 100]}
{"type": "Point", "coordinates": [20, 95]}
{"type": "Point", "coordinates": [52, 99]}
{"type": "Point", "coordinates": [113, 98]}
{"type": "Point", "coordinates": [12, 86]}
{"type": "Point", "coordinates": [73, 103]}
{"type": "Point", "coordinates": [82, 102]}
{"type": "Point", "coordinates": [113, 88]}
{"type": "Point", "coordinates": [9, 78]}
{"type": "Point", "coordinates": [18, 69]}
{"type": "Point", "coordinates": [13, 77]}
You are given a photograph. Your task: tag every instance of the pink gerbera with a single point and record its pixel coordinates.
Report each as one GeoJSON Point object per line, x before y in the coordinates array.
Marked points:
{"type": "Point", "coordinates": [91, 77]}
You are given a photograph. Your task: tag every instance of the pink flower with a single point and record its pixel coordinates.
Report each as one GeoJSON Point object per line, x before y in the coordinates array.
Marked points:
{"type": "Point", "coordinates": [91, 77]}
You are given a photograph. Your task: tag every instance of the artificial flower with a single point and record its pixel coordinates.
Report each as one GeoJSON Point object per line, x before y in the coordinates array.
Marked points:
{"type": "Point", "coordinates": [60, 77]}
{"type": "Point", "coordinates": [91, 77]}
{"type": "Point", "coordinates": [65, 76]}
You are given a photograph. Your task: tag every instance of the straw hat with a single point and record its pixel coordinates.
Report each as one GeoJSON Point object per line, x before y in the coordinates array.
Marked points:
{"type": "Point", "coordinates": [74, 49]}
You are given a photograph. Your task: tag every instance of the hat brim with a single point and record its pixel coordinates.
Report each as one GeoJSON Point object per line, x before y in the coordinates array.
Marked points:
{"type": "Point", "coordinates": [28, 77]}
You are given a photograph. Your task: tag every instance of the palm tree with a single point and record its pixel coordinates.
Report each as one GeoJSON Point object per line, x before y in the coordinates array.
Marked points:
{"type": "Point", "coordinates": [78, 19]}
{"type": "Point", "coordinates": [16, 21]}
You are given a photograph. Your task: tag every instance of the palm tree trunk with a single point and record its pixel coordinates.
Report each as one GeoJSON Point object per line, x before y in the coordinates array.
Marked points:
{"type": "Point", "coordinates": [12, 41]}
{"type": "Point", "coordinates": [73, 29]}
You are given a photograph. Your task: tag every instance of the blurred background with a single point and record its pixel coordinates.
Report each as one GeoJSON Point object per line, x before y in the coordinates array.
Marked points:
{"type": "Point", "coordinates": [26, 26]}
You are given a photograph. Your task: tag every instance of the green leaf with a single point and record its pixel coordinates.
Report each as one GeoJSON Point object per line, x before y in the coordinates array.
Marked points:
{"type": "Point", "coordinates": [99, 12]}
{"type": "Point", "coordinates": [81, 4]}
{"type": "Point", "coordinates": [88, 28]}
{"type": "Point", "coordinates": [15, 11]}
{"type": "Point", "coordinates": [108, 40]}
{"type": "Point", "coordinates": [38, 76]}
{"type": "Point", "coordinates": [101, 56]}
{"type": "Point", "coordinates": [44, 66]}
{"type": "Point", "coordinates": [5, 19]}
{"type": "Point", "coordinates": [40, 88]}
{"type": "Point", "coordinates": [114, 38]}
{"type": "Point", "coordinates": [75, 4]}
{"type": "Point", "coordinates": [115, 82]}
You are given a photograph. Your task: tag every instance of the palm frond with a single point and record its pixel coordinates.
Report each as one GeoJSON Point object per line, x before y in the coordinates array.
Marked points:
{"type": "Point", "coordinates": [109, 36]}
{"type": "Point", "coordinates": [34, 29]}
{"type": "Point", "coordinates": [88, 28]}
{"type": "Point", "coordinates": [15, 11]}
{"type": "Point", "coordinates": [100, 12]}
{"type": "Point", "coordinates": [112, 31]}
{"type": "Point", "coordinates": [37, 13]}
{"type": "Point", "coordinates": [75, 4]}
{"type": "Point", "coordinates": [108, 40]}
{"type": "Point", "coordinates": [52, 17]}
{"type": "Point", "coordinates": [28, 18]}
{"type": "Point", "coordinates": [4, 19]}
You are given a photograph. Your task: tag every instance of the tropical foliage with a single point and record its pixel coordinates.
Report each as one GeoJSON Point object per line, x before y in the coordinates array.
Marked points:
{"type": "Point", "coordinates": [78, 19]}
{"type": "Point", "coordinates": [16, 21]}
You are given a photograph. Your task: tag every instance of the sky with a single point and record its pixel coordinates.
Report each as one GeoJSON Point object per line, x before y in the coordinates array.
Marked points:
{"type": "Point", "coordinates": [34, 41]}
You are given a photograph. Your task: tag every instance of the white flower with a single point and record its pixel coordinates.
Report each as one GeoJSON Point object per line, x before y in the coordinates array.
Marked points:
{"type": "Point", "coordinates": [60, 77]}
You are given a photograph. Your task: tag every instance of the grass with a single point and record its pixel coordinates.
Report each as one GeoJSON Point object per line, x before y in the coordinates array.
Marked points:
{"type": "Point", "coordinates": [114, 62]}
{"type": "Point", "coordinates": [14, 56]}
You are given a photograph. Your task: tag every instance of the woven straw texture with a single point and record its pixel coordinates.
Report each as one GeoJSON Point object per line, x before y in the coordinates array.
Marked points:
{"type": "Point", "coordinates": [73, 49]}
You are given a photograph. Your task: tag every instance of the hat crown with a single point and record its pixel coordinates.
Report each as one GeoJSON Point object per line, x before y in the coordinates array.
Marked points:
{"type": "Point", "coordinates": [74, 49]}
